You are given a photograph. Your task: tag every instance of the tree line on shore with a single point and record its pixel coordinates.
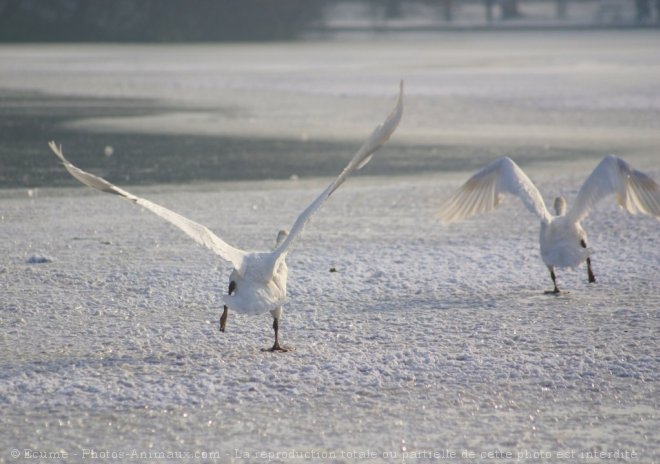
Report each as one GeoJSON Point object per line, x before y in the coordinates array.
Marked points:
{"type": "Point", "coordinates": [153, 20]}
{"type": "Point", "coordinates": [215, 20]}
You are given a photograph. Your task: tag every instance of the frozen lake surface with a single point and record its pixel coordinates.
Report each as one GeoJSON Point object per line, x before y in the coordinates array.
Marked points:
{"type": "Point", "coordinates": [428, 339]}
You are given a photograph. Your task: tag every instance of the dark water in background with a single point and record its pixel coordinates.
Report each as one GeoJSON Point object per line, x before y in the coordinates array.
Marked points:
{"type": "Point", "coordinates": [29, 120]}
{"type": "Point", "coordinates": [468, 99]}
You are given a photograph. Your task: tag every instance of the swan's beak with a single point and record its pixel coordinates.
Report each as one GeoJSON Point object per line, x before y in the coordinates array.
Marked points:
{"type": "Point", "coordinates": [560, 206]}
{"type": "Point", "coordinates": [281, 236]}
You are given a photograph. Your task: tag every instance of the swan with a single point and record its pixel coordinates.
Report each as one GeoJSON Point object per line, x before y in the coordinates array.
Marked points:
{"type": "Point", "coordinates": [258, 280]}
{"type": "Point", "coordinates": [562, 239]}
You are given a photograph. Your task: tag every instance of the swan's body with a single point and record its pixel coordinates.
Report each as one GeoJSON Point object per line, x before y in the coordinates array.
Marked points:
{"type": "Point", "coordinates": [562, 239]}
{"type": "Point", "coordinates": [258, 281]}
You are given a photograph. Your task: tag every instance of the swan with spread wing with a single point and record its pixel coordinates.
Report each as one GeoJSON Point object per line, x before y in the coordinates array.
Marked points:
{"type": "Point", "coordinates": [257, 283]}
{"type": "Point", "coordinates": [563, 240]}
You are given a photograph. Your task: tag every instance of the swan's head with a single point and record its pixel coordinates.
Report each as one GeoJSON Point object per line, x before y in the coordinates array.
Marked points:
{"type": "Point", "coordinates": [281, 236]}
{"type": "Point", "coordinates": [560, 206]}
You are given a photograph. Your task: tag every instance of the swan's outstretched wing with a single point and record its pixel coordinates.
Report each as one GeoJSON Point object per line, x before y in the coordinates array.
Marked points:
{"type": "Point", "coordinates": [483, 192]}
{"type": "Point", "coordinates": [634, 191]}
{"type": "Point", "coordinates": [378, 137]}
{"type": "Point", "coordinates": [196, 231]}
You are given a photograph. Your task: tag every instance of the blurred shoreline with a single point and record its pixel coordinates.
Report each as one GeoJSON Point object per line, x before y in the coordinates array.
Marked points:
{"type": "Point", "coordinates": [180, 21]}
{"type": "Point", "coordinates": [354, 18]}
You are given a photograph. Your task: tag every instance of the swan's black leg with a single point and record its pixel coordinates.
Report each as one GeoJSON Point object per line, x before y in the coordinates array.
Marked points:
{"type": "Point", "coordinates": [590, 273]}
{"type": "Point", "coordinates": [276, 345]}
{"type": "Point", "coordinates": [225, 313]}
{"type": "Point", "coordinates": [592, 278]}
{"type": "Point", "coordinates": [554, 281]}
{"type": "Point", "coordinates": [223, 319]}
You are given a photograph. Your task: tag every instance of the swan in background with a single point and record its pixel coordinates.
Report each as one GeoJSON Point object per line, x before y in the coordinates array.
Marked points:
{"type": "Point", "coordinates": [562, 239]}
{"type": "Point", "coordinates": [258, 280]}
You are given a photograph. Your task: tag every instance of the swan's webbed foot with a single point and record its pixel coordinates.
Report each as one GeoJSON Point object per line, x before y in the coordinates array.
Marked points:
{"type": "Point", "coordinates": [223, 319]}
{"type": "Point", "coordinates": [556, 291]}
{"type": "Point", "coordinates": [276, 347]}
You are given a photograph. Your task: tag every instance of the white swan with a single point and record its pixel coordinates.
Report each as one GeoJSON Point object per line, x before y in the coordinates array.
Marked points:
{"type": "Point", "coordinates": [258, 281]}
{"type": "Point", "coordinates": [562, 239]}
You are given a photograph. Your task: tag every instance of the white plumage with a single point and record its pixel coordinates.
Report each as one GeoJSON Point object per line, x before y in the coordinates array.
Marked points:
{"type": "Point", "coordinates": [562, 238]}
{"type": "Point", "coordinates": [258, 280]}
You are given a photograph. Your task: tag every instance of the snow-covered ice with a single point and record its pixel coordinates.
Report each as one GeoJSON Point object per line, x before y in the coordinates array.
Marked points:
{"type": "Point", "coordinates": [428, 337]}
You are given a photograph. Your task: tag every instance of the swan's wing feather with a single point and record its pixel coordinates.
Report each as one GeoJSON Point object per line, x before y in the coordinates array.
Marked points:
{"type": "Point", "coordinates": [634, 191]}
{"type": "Point", "coordinates": [197, 232]}
{"type": "Point", "coordinates": [484, 191]}
{"type": "Point", "coordinates": [378, 137]}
